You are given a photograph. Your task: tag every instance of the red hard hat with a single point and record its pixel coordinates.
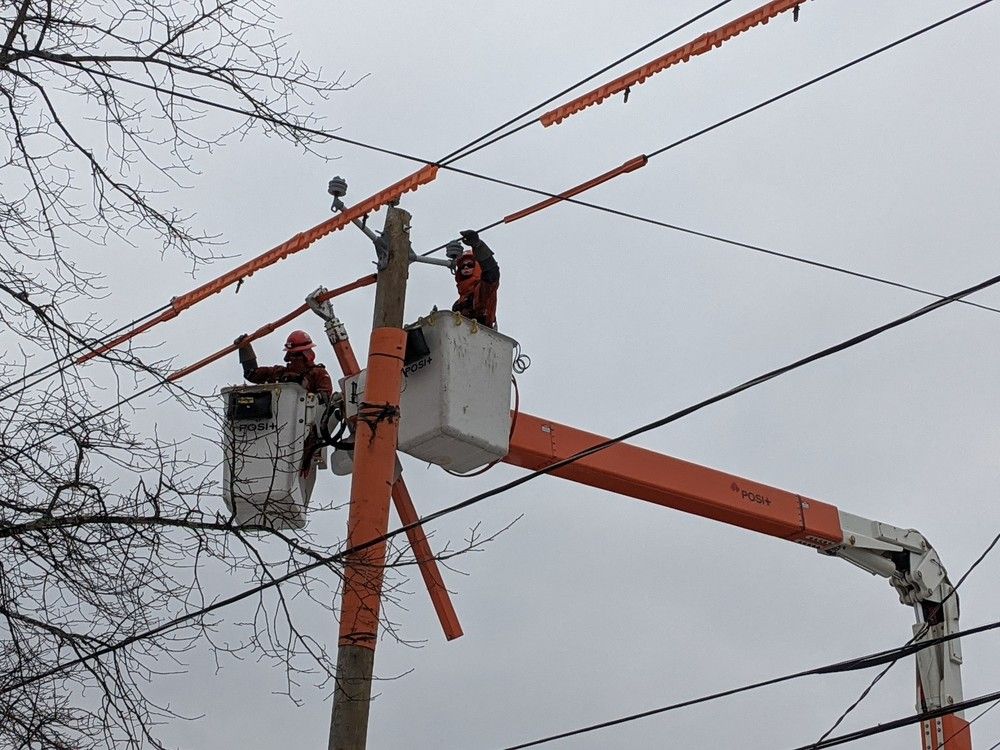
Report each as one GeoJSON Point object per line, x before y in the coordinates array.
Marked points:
{"type": "Point", "coordinates": [298, 341]}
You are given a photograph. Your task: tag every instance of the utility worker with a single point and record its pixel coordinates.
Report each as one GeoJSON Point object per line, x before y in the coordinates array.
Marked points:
{"type": "Point", "coordinates": [301, 366]}
{"type": "Point", "coordinates": [477, 277]}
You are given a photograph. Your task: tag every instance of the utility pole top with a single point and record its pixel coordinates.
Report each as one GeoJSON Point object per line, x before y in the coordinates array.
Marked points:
{"type": "Point", "coordinates": [390, 290]}
{"type": "Point", "coordinates": [375, 438]}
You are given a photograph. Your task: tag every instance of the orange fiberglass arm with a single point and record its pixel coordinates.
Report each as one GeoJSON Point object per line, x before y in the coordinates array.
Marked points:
{"type": "Point", "coordinates": [298, 243]}
{"type": "Point", "coordinates": [901, 555]}
{"type": "Point", "coordinates": [701, 45]}
{"type": "Point", "coordinates": [319, 303]}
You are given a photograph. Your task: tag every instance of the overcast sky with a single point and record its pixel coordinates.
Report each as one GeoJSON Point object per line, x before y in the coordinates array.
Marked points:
{"type": "Point", "coordinates": [593, 606]}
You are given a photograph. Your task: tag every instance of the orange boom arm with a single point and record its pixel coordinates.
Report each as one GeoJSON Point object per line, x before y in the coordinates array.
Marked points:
{"type": "Point", "coordinates": [903, 556]}
{"type": "Point", "coordinates": [640, 473]}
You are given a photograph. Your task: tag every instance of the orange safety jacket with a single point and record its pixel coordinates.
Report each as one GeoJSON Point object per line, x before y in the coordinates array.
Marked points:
{"type": "Point", "coordinates": [314, 379]}
{"type": "Point", "coordinates": [477, 294]}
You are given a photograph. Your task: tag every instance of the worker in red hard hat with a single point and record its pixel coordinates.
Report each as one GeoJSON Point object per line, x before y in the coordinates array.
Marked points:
{"type": "Point", "coordinates": [301, 366]}
{"type": "Point", "coordinates": [477, 276]}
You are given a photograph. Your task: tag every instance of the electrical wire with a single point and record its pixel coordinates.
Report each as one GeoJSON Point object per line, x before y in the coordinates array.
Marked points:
{"type": "Point", "coordinates": [867, 691]}
{"type": "Point", "coordinates": [752, 247]}
{"type": "Point", "coordinates": [849, 665]}
{"type": "Point", "coordinates": [704, 44]}
{"type": "Point", "coordinates": [500, 489]}
{"type": "Point", "coordinates": [659, 151]}
{"type": "Point", "coordinates": [889, 657]}
{"type": "Point", "coordinates": [822, 77]}
{"type": "Point", "coordinates": [300, 242]}
{"type": "Point", "coordinates": [972, 721]}
{"type": "Point", "coordinates": [903, 722]}
{"type": "Point", "coordinates": [271, 327]}
{"type": "Point", "coordinates": [443, 165]}
{"type": "Point", "coordinates": [941, 299]}
{"type": "Point", "coordinates": [5, 392]}
{"type": "Point", "coordinates": [468, 150]}
{"type": "Point", "coordinates": [677, 415]}
{"type": "Point", "coordinates": [410, 157]}
{"type": "Point", "coordinates": [169, 379]}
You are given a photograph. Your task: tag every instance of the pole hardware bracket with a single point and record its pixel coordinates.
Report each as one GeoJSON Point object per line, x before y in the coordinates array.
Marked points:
{"type": "Point", "coordinates": [414, 258]}
{"type": "Point", "coordinates": [338, 189]}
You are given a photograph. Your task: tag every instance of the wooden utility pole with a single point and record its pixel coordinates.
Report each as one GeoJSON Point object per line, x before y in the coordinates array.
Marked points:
{"type": "Point", "coordinates": [375, 439]}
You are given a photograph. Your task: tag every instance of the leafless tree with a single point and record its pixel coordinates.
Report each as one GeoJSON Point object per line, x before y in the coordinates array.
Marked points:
{"type": "Point", "coordinates": [103, 530]}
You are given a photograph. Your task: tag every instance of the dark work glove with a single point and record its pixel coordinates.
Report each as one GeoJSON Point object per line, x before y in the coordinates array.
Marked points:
{"type": "Point", "coordinates": [248, 358]}
{"type": "Point", "coordinates": [470, 237]}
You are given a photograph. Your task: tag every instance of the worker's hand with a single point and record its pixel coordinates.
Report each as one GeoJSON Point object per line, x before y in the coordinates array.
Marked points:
{"type": "Point", "coordinates": [470, 237]}
{"type": "Point", "coordinates": [240, 339]}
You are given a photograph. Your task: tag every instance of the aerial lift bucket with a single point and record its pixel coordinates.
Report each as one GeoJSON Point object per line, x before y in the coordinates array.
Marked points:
{"type": "Point", "coordinates": [270, 453]}
{"type": "Point", "coordinates": [455, 403]}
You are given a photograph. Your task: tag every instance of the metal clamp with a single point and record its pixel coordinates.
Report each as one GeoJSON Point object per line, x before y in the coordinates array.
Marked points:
{"type": "Point", "coordinates": [335, 330]}
{"type": "Point", "coordinates": [338, 189]}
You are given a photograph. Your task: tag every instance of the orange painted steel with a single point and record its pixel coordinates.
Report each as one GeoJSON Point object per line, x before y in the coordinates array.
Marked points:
{"type": "Point", "coordinates": [440, 598]}
{"type": "Point", "coordinates": [701, 45]}
{"type": "Point", "coordinates": [628, 470]}
{"type": "Point", "coordinates": [630, 166]}
{"type": "Point", "coordinates": [270, 327]}
{"type": "Point", "coordinates": [950, 732]}
{"type": "Point", "coordinates": [375, 438]}
{"type": "Point", "coordinates": [296, 244]}
{"type": "Point", "coordinates": [345, 356]}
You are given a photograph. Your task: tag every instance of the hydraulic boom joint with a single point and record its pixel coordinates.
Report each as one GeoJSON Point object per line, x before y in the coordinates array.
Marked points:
{"type": "Point", "coordinates": [914, 570]}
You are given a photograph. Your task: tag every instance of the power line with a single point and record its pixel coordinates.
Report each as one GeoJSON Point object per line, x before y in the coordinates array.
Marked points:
{"type": "Point", "coordinates": [903, 722]}
{"type": "Point", "coordinates": [943, 300]}
{"type": "Point", "coordinates": [850, 665]}
{"type": "Point", "coordinates": [475, 499]}
{"type": "Point", "coordinates": [922, 311]}
{"type": "Point", "coordinates": [661, 150]}
{"type": "Point", "coordinates": [704, 44]}
{"type": "Point", "coordinates": [976, 718]}
{"type": "Point", "coordinates": [447, 165]}
{"type": "Point", "coordinates": [759, 249]}
{"type": "Point", "coordinates": [5, 392]}
{"type": "Point", "coordinates": [865, 693]}
{"type": "Point", "coordinates": [715, 126]}
{"type": "Point", "coordinates": [305, 129]}
{"type": "Point", "coordinates": [889, 657]}
{"type": "Point", "coordinates": [822, 77]}
{"type": "Point", "coordinates": [468, 150]}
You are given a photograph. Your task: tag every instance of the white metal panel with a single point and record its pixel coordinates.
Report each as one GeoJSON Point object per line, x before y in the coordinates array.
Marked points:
{"type": "Point", "coordinates": [455, 403]}
{"type": "Point", "coordinates": [264, 448]}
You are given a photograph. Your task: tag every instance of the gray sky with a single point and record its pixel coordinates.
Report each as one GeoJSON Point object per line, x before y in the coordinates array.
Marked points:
{"type": "Point", "coordinates": [593, 606]}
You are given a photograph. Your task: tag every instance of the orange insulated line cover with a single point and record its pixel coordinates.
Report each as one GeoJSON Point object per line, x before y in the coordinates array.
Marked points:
{"type": "Point", "coordinates": [701, 45]}
{"type": "Point", "coordinates": [297, 243]}
{"type": "Point", "coordinates": [270, 327]}
{"type": "Point", "coordinates": [630, 166]}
